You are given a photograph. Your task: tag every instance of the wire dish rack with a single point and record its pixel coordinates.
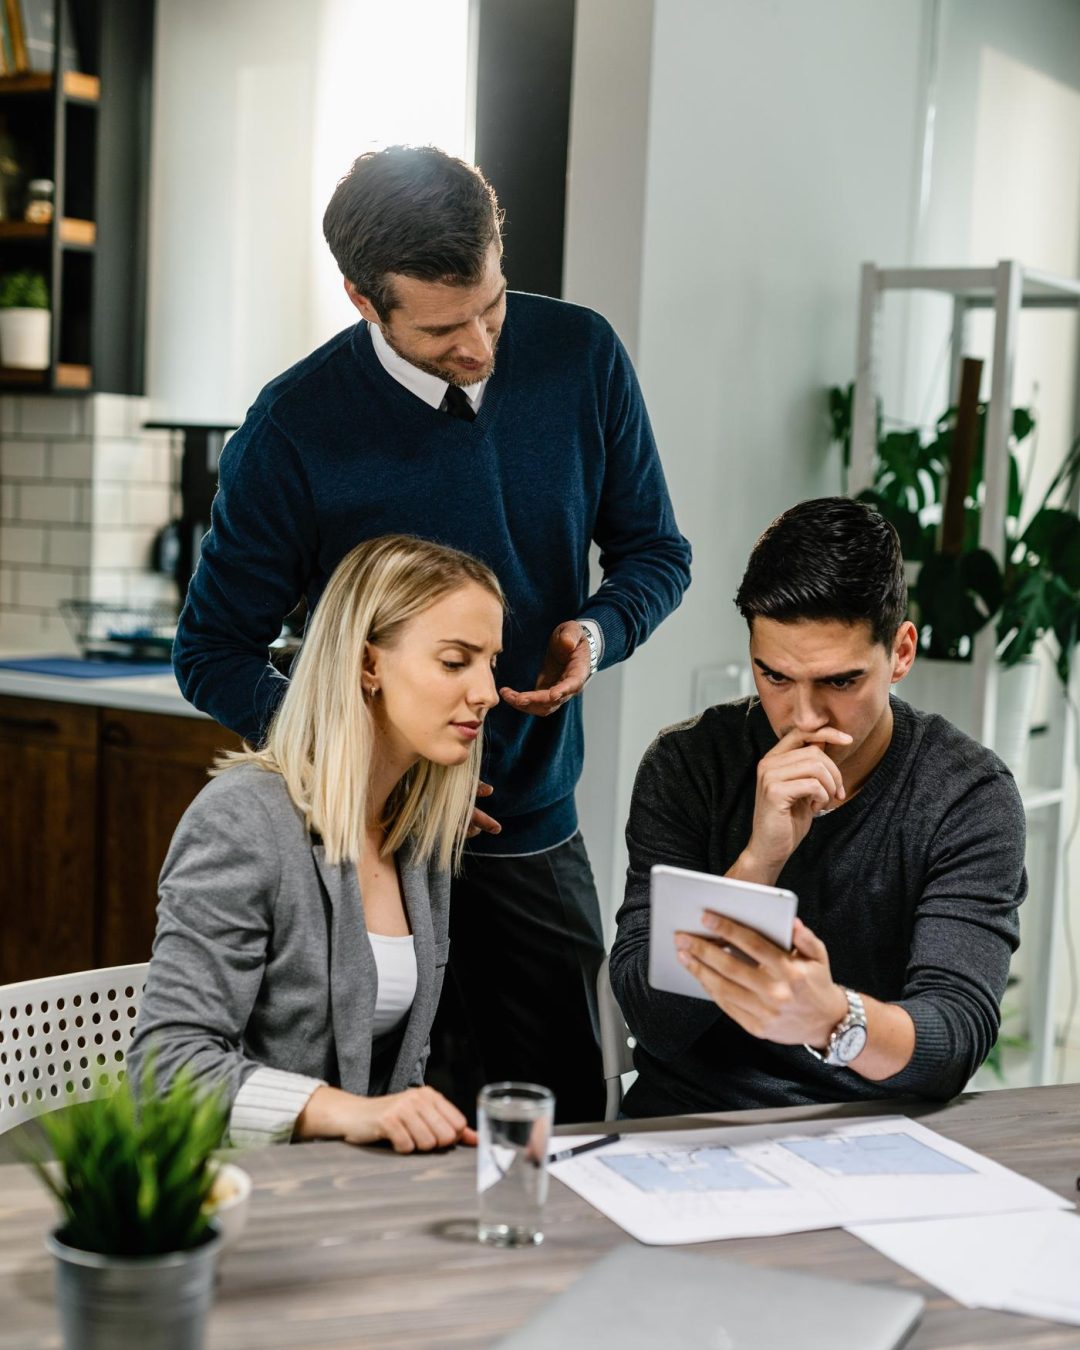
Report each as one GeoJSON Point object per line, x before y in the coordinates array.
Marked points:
{"type": "Point", "coordinates": [115, 632]}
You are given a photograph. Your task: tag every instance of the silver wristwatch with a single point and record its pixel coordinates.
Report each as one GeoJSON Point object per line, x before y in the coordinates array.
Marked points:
{"type": "Point", "coordinates": [848, 1037]}
{"type": "Point", "coordinates": [594, 647]}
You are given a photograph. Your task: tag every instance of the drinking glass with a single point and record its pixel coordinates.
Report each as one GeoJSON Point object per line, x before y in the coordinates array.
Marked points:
{"type": "Point", "coordinates": [514, 1125]}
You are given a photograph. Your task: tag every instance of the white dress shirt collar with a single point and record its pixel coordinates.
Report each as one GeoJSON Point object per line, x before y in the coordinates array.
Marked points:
{"type": "Point", "coordinates": [430, 388]}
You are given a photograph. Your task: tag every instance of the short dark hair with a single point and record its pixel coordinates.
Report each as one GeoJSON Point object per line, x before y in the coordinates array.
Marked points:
{"type": "Point", "coordinates": [831, 558]}
{"type": "Point", "coordinates": [414, 210]}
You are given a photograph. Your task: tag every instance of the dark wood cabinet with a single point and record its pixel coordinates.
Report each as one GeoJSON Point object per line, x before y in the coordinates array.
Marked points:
{"type": "Point", "coordinates": [151, 768]}
{"type": "Point", "coordinates": [48, 837]}
{"type": "Point", "coordinates": [89, 799]}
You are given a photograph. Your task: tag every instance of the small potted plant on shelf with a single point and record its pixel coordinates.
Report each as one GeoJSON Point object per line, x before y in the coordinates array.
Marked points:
{"type": "Point", "coordinates": [24, 321]}
{"type": "Point", "coordinates": [136, 1247]}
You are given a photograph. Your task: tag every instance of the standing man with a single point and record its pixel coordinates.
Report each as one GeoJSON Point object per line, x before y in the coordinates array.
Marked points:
{"type": "Point", "coordinates": [406, 422]}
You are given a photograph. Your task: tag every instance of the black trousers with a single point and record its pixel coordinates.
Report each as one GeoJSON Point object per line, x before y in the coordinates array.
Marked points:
{"type": "Point", "coordinates": [525, 945]}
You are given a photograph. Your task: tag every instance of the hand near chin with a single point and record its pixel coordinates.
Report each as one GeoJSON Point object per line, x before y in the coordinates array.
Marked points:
{"type": "Point", "coordinates": [562, 676]}
{"type": "Point", "coordinates": [796, 781]}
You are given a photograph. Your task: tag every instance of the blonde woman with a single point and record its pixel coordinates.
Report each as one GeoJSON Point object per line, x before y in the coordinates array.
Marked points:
{"type": "Point", "coordinates": [302, 921]}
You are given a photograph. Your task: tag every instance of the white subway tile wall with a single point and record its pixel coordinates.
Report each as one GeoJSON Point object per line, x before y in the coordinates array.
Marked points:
{"type": "Point", "coordinates": [83, 491]}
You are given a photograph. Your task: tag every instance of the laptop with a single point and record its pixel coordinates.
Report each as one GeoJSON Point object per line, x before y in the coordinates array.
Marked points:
{"type": "Point", "coordinates": [647, 1297]}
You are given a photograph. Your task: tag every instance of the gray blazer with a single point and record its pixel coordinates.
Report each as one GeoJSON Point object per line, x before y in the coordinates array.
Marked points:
{"type": "Point", "coordinates": [262, 957]}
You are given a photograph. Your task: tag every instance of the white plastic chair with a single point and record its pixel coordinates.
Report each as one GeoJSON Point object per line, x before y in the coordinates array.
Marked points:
{"type": "Point", "coordinates": [616, 1043]}
{"type": "Point", "coordinates": [64, 1039]}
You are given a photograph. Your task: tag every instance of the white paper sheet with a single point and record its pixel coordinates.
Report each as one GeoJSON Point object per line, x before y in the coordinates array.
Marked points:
{"type": "Point", "coordinates": [1025, 1263]}
{"type": "Point", "coordinates": [749, 1180]}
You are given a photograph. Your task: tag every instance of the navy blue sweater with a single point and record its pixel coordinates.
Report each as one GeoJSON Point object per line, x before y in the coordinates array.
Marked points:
{"type": "Point", "coordinates": [335, 451]}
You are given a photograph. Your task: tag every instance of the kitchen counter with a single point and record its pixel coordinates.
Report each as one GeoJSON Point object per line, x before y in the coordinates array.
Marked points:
{"type": "Point", "coordinates": [137, 693]}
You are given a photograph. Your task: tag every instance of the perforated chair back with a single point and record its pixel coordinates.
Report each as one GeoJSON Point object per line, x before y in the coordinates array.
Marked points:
{"type": "Point", "coordinates": [65, 1039]}
{"type": "Point", "coordinates": [616, 1043]}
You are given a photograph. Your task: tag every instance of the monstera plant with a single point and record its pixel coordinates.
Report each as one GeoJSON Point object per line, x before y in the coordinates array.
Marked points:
{"type": "Point", "coordinates": [961, 588]}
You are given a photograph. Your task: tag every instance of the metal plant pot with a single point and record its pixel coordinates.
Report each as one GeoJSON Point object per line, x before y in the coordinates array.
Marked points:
{"type": "Point", "coordinates": [133, 1303]}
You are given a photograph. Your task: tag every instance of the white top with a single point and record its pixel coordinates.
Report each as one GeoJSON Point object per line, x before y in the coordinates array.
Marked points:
{"type": "Point", "coordinates": [395, 960]}
{"type": "Point", "coordinates": [267, 1105]}
{"type": "Point", "coordinates": [427, 387]}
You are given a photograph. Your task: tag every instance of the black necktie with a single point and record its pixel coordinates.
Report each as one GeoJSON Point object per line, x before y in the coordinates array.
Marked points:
{"type": "Point", "coordinates": [457, 404]}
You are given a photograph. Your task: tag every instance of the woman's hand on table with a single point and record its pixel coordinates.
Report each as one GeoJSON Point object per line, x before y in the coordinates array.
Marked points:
{"type": "Point", "coordinates": [416, 1120]}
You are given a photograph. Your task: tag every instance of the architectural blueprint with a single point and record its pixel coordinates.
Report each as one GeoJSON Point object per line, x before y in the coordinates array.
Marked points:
{"type": "Point", "coordinates": [741, 1181]}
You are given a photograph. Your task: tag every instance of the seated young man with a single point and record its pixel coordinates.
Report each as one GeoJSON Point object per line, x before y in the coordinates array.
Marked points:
{"type": "Point", "coordinates": [902, 837]}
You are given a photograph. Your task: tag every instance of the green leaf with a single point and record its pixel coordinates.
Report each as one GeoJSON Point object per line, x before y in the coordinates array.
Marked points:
{"type": "Point", "coordinates": [840, 411]}
{"type": "Point", "coordinates": [958, 595]}
{"type": "Point", "coordinates": [1023, 423]}
{"type": "Point", "coordinates": [24, 289]}
{"type": "Point", "coordinates": [1015, 501]}
{"type": "Point", "coordinates": [1053, 536]}
{"type": "Point", "coordinates": [134, 1166]}
{"type": "Point", "coordinates": [1045, 531]}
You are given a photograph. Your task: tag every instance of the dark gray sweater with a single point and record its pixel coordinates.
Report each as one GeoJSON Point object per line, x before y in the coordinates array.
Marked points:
{"type": "Point", "coordinates": [913, 886]}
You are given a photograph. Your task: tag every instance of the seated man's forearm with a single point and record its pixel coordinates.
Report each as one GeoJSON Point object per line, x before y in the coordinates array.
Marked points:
{"type": "Point", "coordinates": [748, 868]}
{"type": "Point", "coordinates": [890, 1041]}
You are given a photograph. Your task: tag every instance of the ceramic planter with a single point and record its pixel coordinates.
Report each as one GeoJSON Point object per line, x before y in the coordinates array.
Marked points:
{"type": "Point", "coordinates": [24, 338]}
{"type": "Point", "coordinates": [133, 1303]}
{"type": "Point", "coordinates": [945, 687]}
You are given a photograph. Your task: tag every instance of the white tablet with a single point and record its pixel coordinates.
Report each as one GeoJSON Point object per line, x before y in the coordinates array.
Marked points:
{"type": "Point", "coordinates": [677, 899]}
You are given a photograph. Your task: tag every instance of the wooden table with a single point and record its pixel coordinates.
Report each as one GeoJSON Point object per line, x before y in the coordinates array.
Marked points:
{"type": "Point", "coordinates": [357, 1247]}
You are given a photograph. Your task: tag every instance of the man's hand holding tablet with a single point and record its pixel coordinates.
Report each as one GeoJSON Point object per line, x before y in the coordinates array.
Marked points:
{"type": "Point", "coordinates": [740, 945]}
{"type": "Point", "coordinates": [787, 997]}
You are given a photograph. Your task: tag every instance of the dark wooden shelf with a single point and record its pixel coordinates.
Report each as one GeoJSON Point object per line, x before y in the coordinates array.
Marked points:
{"type": "Point", "coordinates": [76, 233]}
{"type": "Point", "coordinates": [15, 375]}
{"type": "Point", "coordinates": [64, 376]}
{"type": "Point", "coordinates": [76, 86]}
{"type": "Point", "coordinates": [24, 231]}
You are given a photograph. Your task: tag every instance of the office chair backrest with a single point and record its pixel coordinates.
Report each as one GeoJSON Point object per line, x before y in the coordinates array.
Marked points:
{"type": "Point", "coordinates": [616, 1043]}
{"type": "Point", "coordinates": [64, 1039]}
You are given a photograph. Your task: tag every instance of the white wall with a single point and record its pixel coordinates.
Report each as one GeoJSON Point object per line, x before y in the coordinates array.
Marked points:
{"type": "Point", "coordinates": [260, 106]}
{"type": "Point", "coordinates": [229, 210]}
{"type": "Point", "coordinates": [603, 262]}
{"type": "Point", "coordinates": [780, 149]}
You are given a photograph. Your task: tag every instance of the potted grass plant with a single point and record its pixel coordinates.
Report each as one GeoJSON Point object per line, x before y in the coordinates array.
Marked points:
{"type": "Point", "coordinates": [136, 1246]}
{"type": "Point", "coordinates": [25, 321]}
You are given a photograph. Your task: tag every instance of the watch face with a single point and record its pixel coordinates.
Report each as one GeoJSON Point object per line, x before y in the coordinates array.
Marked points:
{"type": "Point", "coordinates": [849, 1044]}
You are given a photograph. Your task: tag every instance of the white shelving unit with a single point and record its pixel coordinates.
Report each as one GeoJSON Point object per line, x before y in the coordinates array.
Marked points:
{"type": "Point", "coordinates": [1004, 289]}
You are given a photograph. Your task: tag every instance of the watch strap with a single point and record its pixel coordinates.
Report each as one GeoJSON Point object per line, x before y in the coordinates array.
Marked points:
{"type": "Point", "coordinates": [854, 1017]}
{"type": "Point", "coordinates": [591, 630]}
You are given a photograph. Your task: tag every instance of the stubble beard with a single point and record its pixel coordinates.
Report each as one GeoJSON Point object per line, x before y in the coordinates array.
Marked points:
{"type": "Point", "coordinates": [450, 375]}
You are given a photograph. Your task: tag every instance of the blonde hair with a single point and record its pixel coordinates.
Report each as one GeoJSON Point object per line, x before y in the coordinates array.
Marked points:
{"type": "Point", "coordinates": [321, 739]}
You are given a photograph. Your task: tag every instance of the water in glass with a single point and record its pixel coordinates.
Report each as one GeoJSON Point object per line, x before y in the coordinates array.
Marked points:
{"type": "Point", "coordinates": [514, 1125]}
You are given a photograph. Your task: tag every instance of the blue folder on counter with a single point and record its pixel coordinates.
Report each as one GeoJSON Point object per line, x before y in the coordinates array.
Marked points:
{"type": "Point", "coordinates": [78, 668]}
